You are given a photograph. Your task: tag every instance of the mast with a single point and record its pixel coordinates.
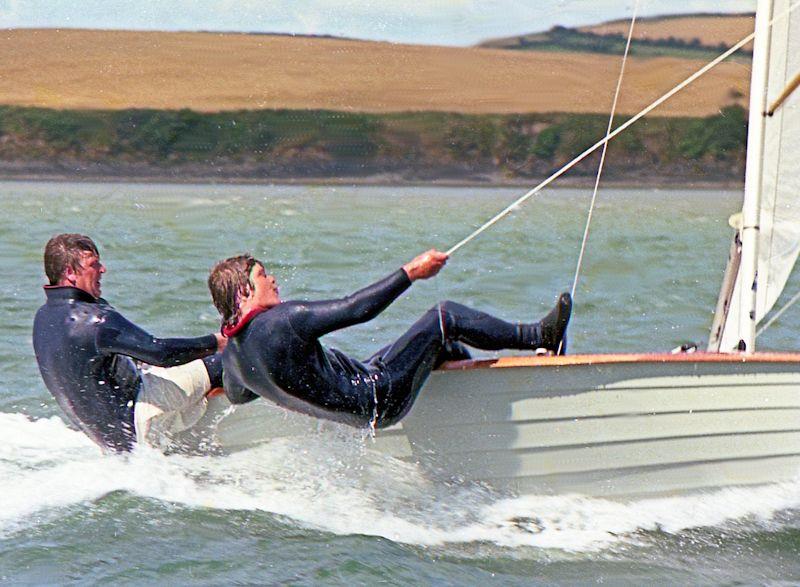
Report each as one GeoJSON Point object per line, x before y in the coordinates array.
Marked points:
{"type": "Point", "coordinates": [751, 208]}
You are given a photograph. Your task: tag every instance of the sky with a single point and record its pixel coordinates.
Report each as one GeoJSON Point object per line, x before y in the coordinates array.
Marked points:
{"type": "Point", "coordinates": [432, 22]}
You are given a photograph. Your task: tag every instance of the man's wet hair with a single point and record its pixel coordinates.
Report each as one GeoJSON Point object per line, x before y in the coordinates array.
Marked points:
{"type": "Point", "coordinates": [228, 282]}
{"type": "Point", "coordinates": [66, 250]}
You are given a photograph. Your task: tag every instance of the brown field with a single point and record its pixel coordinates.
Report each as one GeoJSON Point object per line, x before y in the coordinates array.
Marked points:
{"type": "Point", "coordinates": [711, 30]}
{"type": "Point", "coordinates": [79, 69]}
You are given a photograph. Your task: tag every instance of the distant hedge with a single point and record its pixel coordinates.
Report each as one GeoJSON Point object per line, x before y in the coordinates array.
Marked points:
{"type": "Point", "coordinates": [185, 133]}
{"type": "Point", "coordinates": [323, 142]}
{"type": "Point", "coordinates": [561, 38]}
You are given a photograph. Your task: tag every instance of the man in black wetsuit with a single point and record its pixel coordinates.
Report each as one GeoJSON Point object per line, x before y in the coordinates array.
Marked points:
{"type": "Point", "coordinates": [89, 354]}
{"type": "Point", "coordinates": [274, 349]}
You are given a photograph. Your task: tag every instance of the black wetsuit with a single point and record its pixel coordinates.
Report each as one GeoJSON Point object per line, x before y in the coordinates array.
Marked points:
{"type": "Point", "coordinates": [277, 354]}
{"type": "Point", "coordinates": [85, 349]}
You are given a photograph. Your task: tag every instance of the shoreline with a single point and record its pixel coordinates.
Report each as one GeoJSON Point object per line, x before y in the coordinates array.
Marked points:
{"type": "Point", "coordinates": [377, 180]}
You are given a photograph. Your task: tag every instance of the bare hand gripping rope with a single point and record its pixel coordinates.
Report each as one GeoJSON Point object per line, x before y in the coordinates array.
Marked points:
{"type": "Point", "coordinates": [689, 80]}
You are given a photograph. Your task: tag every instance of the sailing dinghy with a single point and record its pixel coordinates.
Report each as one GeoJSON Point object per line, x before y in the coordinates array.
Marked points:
{"type": "Point", "coordinates": [627, 425]}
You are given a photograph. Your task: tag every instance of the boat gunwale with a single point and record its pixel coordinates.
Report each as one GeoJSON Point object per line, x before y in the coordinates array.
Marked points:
{"type": "Point", "coordinates": [620, 358]}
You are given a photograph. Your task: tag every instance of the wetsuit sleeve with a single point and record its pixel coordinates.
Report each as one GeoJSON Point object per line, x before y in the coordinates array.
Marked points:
{"type": "Point", "coordinates": [235, 392]}
{"type": "Point", "coordinates": [318, 318]}
{"type": "Point", "coordinates": [118, 335]}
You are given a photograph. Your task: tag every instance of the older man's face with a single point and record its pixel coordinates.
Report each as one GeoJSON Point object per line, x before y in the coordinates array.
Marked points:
{"type": "Point", "coordinates": [89, 274]}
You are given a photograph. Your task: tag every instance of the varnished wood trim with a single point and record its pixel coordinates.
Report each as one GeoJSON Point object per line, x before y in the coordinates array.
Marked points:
{"type": "Point", "coordinates": [605, 359]}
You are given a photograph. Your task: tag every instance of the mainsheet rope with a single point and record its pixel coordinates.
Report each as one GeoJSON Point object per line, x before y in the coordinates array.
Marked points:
{"type": "Point", "coordinates": [689, 80]}
{"type": "Point", "coordinates": [605, 150]}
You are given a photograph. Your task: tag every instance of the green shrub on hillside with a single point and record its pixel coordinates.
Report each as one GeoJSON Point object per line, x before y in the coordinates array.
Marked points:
{"type": "Point", "coordinates": [516, 146]}
{"type": "Point", "coordinates": [347, 135]}
{"type": "Point", "coordinates": [473, 139]}
{"type": "Point", "coordinates": [722, 136]}
{"type": "Point", "coordinates": [547, 142]}
{"type": "Point", "coordinates": [154, 132]}
{"type": "Point", "coordinates": [62, 130]}
{"type": "Point", "coordinates": [630, 141]}
{"type": "Point", "coordinates": [580, 132]}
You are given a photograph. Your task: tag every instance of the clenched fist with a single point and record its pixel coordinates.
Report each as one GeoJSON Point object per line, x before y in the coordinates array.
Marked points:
{"type": "Point", "coordinates": [425, 265]}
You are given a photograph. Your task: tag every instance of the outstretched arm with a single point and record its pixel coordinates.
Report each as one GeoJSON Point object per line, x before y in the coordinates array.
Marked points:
{"type": "Point", "coordinates": [319, 318]}
{"type": "Point", "coordinates": [118, 335]}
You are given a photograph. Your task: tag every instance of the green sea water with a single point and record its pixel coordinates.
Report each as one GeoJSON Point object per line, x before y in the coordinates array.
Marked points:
{"type": "Point", "coordinates": [322, 511]}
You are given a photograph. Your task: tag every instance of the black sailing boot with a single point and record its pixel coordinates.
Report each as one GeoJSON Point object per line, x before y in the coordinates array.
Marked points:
{"type": "Point", "coordinates": [550, 332]}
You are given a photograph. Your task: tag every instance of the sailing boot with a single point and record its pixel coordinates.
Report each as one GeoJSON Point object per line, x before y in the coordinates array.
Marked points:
{"type": "Point", "coordinates": [550, 332]}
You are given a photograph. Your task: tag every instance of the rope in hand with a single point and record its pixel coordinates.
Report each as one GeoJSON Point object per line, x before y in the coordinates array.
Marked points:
{"type": "Point", "coordinates": [689, 80]}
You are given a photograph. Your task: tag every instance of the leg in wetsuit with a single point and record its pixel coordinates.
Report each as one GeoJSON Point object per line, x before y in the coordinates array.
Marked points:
{"type": "Point", "coordinates": [435, 338]}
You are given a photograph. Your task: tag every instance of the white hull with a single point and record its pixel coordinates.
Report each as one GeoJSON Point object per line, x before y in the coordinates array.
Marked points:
{"type": "Point", "coordinates": [598, 425]}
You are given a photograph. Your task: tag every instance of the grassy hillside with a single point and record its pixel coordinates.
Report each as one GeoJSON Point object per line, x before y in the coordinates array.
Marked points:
{"type": "Point", "coordinates": [563, 39]}
{"type": "Point", "coordinates": [266, 107]}
{"type": "Point", "coordinates": [686, 37]}
{"type": "Point", "coordinates": [209, 72]}
{"type": "Point", "coordinates": [710, 30]}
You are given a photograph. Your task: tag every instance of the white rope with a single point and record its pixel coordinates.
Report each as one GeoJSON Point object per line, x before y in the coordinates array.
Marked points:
{"type": "Point", "coordinates": [605, 150]}
{"type": "Point", "coordinates": [689, 80]}
{"type": "Point", "coordinates": [779, 313]}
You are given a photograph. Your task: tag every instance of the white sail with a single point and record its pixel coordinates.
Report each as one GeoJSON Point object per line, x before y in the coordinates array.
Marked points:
{"type": "Point", "coordinates": [773, 180]}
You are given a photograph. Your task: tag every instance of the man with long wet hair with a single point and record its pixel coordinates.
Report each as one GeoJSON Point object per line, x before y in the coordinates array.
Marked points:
{"type": "Point", "coordinates": [113, 380]}
{"type": "Point", "coordinates": [274, 349]}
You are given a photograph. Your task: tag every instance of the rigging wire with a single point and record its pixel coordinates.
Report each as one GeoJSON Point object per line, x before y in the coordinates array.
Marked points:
{"type": "Point", "coordinates": [778, 314]}
{"type": "Point", "coordinates": [689, 80]}
{"type": "Point", "coordinates": [604, 151]}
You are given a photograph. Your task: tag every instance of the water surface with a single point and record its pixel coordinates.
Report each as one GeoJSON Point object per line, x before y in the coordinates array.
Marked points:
{"type": "Point", "coordinates": [329, 510]}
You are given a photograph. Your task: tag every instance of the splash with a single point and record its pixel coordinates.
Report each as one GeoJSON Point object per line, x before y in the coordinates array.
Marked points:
{"type": "Point", "coordinates": [333, 482]}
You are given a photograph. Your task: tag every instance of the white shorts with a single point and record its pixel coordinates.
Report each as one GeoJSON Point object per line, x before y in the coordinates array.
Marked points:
{"type": "Point", "coordinates": [171, 400]}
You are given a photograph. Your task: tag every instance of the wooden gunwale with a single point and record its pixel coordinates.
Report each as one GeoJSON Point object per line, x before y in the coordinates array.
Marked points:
{"type": "Point", "coordinates": [620, 358]}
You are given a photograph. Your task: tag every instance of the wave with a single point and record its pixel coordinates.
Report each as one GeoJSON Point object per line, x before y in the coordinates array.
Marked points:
{"type": "Point", "coordinates": [332, 482]}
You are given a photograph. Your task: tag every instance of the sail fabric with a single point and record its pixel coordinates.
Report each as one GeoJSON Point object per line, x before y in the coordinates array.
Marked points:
{"type": "Point", "coordinates": [779, 235]}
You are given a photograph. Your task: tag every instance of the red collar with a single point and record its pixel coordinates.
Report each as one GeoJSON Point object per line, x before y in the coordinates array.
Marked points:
{"type": "Point", "coordinates": [236, 329]}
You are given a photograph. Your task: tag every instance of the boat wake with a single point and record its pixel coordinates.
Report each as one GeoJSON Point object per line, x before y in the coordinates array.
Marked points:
{"type": "Point", "coordinates": [333, 483]}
